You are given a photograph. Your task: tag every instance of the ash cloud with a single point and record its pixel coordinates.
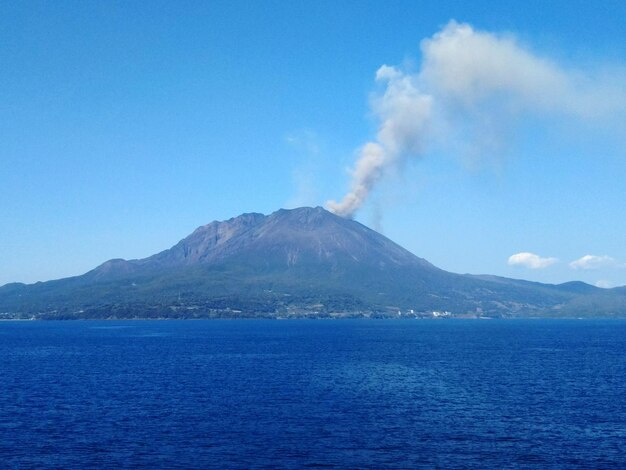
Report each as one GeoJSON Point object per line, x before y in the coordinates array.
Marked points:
{"type": "Point", "coordinates": [471, 85]}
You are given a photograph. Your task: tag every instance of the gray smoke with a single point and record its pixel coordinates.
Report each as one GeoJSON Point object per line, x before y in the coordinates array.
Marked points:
{"type": "Point", "coordinates": [468, 75]}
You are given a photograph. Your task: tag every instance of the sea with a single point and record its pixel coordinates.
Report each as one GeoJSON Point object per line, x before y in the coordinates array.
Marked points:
{"type": "Point", "coordinates": [313, 394]}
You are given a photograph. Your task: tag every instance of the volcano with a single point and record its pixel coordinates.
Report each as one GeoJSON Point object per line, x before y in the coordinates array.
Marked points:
{"type": "Point", "coordinates": [304, 262]}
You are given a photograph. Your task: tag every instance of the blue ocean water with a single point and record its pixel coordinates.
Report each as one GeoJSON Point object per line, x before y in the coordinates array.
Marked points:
{"type": "Point", "coordinates": [293, 394]}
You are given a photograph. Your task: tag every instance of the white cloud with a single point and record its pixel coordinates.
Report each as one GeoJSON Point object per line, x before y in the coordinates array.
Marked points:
{"type": "Point", "coordinates": [604, 284]}
{"type": "Point", "coordinates": [530, 260]}
{"type": "Point", "coordinates": [304, 141]}
{"type": "Point", "coordinates": [592, 262]}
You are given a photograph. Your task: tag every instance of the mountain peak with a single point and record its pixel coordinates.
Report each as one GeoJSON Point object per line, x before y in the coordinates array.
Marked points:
{"type": "Point", "coordinates": [303, 236]}
{"type": "Point", "coordinates": [305, 216]}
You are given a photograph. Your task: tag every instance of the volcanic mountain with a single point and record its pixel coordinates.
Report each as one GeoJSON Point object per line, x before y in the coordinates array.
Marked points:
{"type": "Point", "coordinates": [300, 262]}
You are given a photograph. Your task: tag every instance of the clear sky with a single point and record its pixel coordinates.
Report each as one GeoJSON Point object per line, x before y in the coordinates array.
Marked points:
{"type": "Point", "coordinates": [125, 125]}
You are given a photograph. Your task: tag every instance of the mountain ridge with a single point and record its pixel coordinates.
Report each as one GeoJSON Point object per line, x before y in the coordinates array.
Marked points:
{"type": "Point", "coordinates": [297, 262]}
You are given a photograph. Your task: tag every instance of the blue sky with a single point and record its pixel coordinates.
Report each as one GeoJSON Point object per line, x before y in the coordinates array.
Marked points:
{"type": "Point", "coordinates": [125, 125]}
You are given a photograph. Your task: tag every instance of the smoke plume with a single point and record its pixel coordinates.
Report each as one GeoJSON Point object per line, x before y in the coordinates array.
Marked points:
{"type": "Point", "coordinates": [469, 80]}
